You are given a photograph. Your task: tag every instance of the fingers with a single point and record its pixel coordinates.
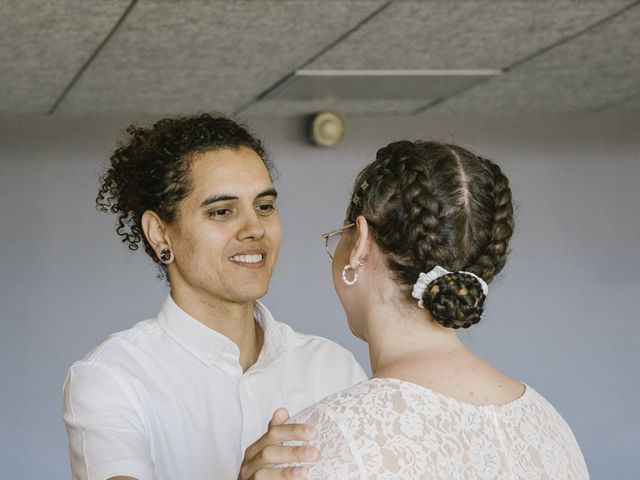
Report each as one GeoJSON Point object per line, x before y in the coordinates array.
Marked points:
{"type": "Point", "coordinates": [277, 432]}
{"type": "Point", "coordinates": [268, 450]}
{"type": "Point", "coordinates": [278, 454]}
{"type": "Point", "coordinates": [284, 473]}
{"type": "Point", "coordinates": [274, 454]}
{"type": "Point", "coordinates": [281, 433]}
{"type": "Point", "coordinates": [292, 431]}
{"type": "Point", "coordinates": [279, 417]}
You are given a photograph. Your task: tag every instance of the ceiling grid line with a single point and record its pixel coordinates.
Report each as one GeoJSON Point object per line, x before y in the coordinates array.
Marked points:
{"type": "Point", "coordinates": [91, 58]}
{"type": "Point", "coordinates": [573, 36]}
{"type": "Point", "coordinates": [538, 53]}
{"type": "Point", "coordinates": [322, 51]}
{"type": "Point", "coordinates": [268, 58]}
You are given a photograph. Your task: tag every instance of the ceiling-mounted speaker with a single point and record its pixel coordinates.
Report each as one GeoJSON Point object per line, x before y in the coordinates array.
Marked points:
{"type": "Point", "coordinates": [326, 129]}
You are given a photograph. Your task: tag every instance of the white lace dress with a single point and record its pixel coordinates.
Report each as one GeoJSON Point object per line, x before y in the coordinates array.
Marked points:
{"type": "Point", "coordinates": [386, 428]}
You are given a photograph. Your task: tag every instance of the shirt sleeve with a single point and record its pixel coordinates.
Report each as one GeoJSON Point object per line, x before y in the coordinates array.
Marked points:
{"type": "Point", "coordinates": [356, 373]}
{"type": "Point", "coordinates": [105, 426]}
{"type": "Point", "coordinates": [336, 370]}
{"type": "Point", "coordinates": [339, 457]}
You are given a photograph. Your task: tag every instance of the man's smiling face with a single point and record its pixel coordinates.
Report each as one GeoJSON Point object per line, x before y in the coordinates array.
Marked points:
{"type": "Point", "coordinates": [226, 236]}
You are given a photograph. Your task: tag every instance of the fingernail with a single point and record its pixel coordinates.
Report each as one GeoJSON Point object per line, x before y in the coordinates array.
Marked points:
{"type": "Point", "coordinates": [310, 431]}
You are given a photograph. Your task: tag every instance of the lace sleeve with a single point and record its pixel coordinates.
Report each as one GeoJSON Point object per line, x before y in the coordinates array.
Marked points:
{"type": "Point", "coordinates": [339, 458]}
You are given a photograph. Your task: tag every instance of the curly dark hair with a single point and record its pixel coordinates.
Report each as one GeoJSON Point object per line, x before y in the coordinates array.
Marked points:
{"type": "Point", "coordinates": [431, 204]}
{"type": "Point", "coordinates": [150, 171]}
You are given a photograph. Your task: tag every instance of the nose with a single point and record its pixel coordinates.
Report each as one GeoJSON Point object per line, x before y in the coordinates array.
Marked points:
{"type": "Point", "coordinates": [251, 227]}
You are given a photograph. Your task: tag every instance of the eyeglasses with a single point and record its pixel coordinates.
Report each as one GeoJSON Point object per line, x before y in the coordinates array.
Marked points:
{"type": "Point", "coordinates": [332, 238]}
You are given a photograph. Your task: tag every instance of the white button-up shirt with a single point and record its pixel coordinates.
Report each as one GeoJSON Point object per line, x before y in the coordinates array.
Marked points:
{"type": "Point", "coordinates": [168, 400]}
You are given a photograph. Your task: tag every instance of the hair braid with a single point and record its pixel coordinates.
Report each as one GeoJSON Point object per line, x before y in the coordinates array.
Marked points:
{"type": "Point", "coordinates": [402, 210]}
{"type": "Point", "coordinates": [493, 257]}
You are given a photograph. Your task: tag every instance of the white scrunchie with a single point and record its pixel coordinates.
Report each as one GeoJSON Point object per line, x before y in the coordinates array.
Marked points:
{"type": "Point", "coordinates": [425, 279]}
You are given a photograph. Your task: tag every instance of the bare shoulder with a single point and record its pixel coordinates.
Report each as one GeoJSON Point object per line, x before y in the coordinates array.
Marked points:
{"type": "Point", "coordinates": [484, 384]}
{"type": "Point", "coordinates": [467, 378]}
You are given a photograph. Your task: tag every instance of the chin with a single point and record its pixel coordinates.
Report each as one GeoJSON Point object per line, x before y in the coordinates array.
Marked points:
{"type": "Point", "coordinates": [247, 293]}
{"type": "Point", "coordinates": [253, 296]}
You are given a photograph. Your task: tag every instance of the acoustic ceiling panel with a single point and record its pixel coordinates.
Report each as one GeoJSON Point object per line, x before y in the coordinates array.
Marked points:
{"type": "Point", "coordinates": [185, 55]}
{"type": "Point", "coordinates": [208, 55]}
{"type": "Point", "coordinates": [631, 103]}
{"type": "Point", "coordinates": [438, 34]}
{"type": "Point", "coordinates": [593, 71]}
{"type": "Point", "coordinates": [462, 34]}
{"type": "Point", "coordinates": [44, 44]}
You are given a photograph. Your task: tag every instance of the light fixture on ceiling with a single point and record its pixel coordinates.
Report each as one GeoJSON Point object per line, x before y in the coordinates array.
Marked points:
{"type": "Point", "coordinates": [326, 129]}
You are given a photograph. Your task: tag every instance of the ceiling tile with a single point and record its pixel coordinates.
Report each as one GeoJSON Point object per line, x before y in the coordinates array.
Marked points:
{"type": "Point", "coordinates": [462, 34]}
{"type": "Point", "coordinates": [208, 55]}
{"type": "Point", "coordinates": [631, 103]}
{"type": "Point", "coordinates": [44, 44]}
{"type": "Point", "coordinates": [187, 55]}
{"type": "Point", "coordinates": [594, 70]}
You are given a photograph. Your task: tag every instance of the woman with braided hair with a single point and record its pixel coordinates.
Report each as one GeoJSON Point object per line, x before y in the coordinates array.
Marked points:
{"type": "Point", "coordinates": [427, 229]}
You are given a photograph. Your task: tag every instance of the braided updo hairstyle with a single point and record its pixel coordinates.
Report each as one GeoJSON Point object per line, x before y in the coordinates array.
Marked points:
{"type": "Point", "coordinates": [151, 170]}
{"type": "Point", "coordinates": [432, 204]}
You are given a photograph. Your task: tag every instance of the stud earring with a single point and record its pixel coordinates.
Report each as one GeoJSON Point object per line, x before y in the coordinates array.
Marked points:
{"type": "Point", "coordinates": [166, 256]}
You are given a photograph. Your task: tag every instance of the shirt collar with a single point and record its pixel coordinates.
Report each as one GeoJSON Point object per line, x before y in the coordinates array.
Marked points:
{"type": "Point", "coordinates": [273, 346]}
{"type": "Point", "coordinates": [213, 348]}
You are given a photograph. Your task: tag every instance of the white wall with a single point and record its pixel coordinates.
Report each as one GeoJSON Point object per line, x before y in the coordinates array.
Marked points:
{"type": "Point", "coordinates": [563, 316]}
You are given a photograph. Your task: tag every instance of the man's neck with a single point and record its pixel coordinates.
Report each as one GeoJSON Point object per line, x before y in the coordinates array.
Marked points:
{"type": "Point", "coordinates": [233, 320]}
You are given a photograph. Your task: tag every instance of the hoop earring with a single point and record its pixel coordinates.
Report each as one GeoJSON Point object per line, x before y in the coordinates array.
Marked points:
{"type": "Point", "coordinates": [344, 275]}
{"type": "Point", "coordinates": [166, 256]}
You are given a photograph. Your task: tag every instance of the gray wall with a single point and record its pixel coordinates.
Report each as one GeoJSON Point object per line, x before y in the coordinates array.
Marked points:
{"type": "Point", "coordinates": [563, 316]}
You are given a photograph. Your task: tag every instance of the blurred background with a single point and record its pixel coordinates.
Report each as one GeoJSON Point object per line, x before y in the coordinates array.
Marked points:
{"type": "Point", "coordinates": [548, 89]}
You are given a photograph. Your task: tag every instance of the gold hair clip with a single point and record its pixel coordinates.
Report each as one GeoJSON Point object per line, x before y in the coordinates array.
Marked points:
{"type": "Point", "coordinates": [356, 199]}
{"type": "Point", "coordinates": [364, 185]}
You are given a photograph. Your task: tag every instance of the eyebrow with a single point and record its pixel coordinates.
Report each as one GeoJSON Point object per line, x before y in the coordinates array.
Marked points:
{"type": "Point", "coordinates": [270, 192]}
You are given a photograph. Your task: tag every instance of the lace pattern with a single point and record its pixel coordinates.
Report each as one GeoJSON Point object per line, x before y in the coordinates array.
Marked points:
{"type": "Point", "coordinates": [391, 429]}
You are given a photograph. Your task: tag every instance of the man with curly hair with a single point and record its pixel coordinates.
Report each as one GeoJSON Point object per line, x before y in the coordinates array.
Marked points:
{"type": "Point", "coordinates": [184, 394]}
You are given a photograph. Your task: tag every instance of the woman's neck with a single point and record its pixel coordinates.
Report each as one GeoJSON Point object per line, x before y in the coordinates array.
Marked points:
{"type": "Point", "coordinates": [397, 336]}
